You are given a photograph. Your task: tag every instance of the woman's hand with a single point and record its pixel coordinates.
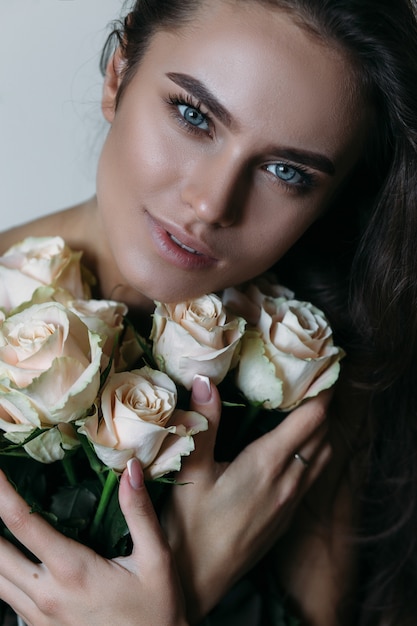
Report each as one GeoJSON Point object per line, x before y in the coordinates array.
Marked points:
{"type": "Point", "coordinates": [227, 516]}
{"type": "Point", "coordinates": [72, 585]}
{"type": "Point", "coordinates": [218, 525]}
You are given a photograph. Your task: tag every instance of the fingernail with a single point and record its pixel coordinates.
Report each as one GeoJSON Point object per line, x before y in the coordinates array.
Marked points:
{"type": "Point", "coordinates": [201, 389]}
{"type": "Point", "coordinates": [135, 473]}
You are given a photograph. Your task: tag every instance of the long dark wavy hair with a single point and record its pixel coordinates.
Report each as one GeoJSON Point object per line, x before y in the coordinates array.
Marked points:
{"type": "Point", "coordinates": [359, 263]}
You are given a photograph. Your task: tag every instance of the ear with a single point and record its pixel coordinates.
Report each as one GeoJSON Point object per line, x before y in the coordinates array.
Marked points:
{"type": "Point", "coordinates": [112, 80]}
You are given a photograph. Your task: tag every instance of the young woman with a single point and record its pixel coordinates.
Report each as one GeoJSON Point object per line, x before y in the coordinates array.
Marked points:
{"type": "Point", "coordinates": [243, 134]}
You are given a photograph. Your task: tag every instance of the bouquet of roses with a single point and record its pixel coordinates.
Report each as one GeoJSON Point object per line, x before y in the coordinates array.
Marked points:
{"type": "Point", "coordinates": [82, 391]}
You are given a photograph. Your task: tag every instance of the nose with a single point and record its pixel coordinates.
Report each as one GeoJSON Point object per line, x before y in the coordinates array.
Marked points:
{"type": "Point", "coordinates": [215, 188]}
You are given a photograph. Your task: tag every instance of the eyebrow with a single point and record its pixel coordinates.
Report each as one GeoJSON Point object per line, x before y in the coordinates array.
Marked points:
{"type": "Point", "coordinates": [201, 93]}
{"type": "Point", "coordinates": [304, 157]}
{"type": "Point", "coordinates": [197, 89]}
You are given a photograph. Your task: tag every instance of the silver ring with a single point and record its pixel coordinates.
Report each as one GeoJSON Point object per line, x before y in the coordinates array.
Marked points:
{"type": "Point", "coordinates": [299, 457]}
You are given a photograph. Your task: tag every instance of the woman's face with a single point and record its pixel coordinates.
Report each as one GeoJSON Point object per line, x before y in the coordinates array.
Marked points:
{"type": "Point", "coordinates": [229, 141]}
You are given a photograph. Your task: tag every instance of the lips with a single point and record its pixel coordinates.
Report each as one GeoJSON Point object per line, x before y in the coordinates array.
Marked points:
{"type": "Point", "coordinates": [177, 247]}
{"type": "Point", "coordinates": [182, 245]}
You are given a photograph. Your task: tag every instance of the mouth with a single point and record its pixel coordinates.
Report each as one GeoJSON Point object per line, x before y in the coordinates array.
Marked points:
{"type": "Point", "coordinates": [178, 247]}
{"type": "Point", "coordinates": [183, 246]}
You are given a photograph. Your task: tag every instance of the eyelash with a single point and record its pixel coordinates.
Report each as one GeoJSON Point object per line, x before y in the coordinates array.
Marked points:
{"type": "Point", "coordinates": [307, 182]}
{"type": "Point", "coordinates": [175, 100]}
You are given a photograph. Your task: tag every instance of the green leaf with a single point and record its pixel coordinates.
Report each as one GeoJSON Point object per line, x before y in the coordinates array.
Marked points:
{"type": "Point", "coordinates": [16, 449]}
{"type": "Point", "coordinates": [73, 503]}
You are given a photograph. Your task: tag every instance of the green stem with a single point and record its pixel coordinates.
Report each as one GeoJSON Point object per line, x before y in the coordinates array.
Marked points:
{"type": "Point", "coordinates": [69, 471]}
{"type": "Point", "coordinates": [106, 494]}
{"type": "Point", "coordinates": [18, 453]}
{"type": "Point", "coordinates": [249, 417]}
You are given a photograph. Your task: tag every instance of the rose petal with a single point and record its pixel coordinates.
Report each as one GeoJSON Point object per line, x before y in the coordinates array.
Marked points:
{"type": "Point", "coordinates": [17, 413]}
{"type": "Point", "coordinates": [324, 381]}
{"type": "Point", "coordinates": [188, 422]}
{"type": "Point", "coordinates": [72, 392]}
{"type": "Point", "coordinates": [256, 375]}
{"type": "Point", "coordinates": [115, 459]}
{"type": "Point", "coordinates": [50, 445]}
{"type": "Point", "coordinates": [299, 374]}
{"type": "Point", "coordinates": [169, 457]}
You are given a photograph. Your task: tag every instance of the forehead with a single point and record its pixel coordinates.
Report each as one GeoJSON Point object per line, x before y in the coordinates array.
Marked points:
{"type": "Point", "coordinates": [274, 76]}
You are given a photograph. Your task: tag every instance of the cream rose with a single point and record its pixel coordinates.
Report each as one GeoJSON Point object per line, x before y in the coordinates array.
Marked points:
{"type": "Point", "coordinates": [196, 337]}
{"type": "Point", "coordinates": [140, 419]}
{"type": "Point", "coordinates": [38, 261]}
{"type": "Point", "coordinates": [247, 300]}
{"type": "Point", "coordinates": [105, 318]}
{"type": "Point", "coordinates": [289, 355]}
{"type": "Point", "coordinates": [49, 369]}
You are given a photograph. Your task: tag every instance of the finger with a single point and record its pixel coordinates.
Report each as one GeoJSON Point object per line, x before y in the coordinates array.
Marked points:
{"type": "Point", "coordinates": [303, 458]}
{"type": "Point", "coordinates": [303, 429]}
{"type": "Point", "coordinates": [300, 487]}
{"type": "Point", "coordinates": [320, 461]}
{"type": "Point", "coordinates": [205, 399]}
{"type": "Point", "coordinates": [35, 533]}
{"type": "Point", "coordinates": [20, 581]}
{"type": "Point", "coordinates": [148, 539]}
{"type": "Point", "coordinates": [16, 599]}
{"type": "Point", "coordinates": [15, 566]}
{"type": "Point", "coordinates": [307, 471]}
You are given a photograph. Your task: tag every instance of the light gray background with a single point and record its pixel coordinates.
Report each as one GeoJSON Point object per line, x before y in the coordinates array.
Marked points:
{"type": "Point", "coordinates": [51, 128]}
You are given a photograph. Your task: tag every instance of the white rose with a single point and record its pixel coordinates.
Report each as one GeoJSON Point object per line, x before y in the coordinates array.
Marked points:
{"type": "Point", "coordinates": [289, 356]}
{"type": "Point", "coordinates": [139, 419]}
{"type": "Point", "coordinates": [247, 300]}
{"type": "Point", "coordinates": [105, 318]}
{"type": "Point", "coordinates": [49, 369]}
{"type": "Point", "coordinates": [196, 337]}
{"type": "Point", "coordinates": [36, 262]}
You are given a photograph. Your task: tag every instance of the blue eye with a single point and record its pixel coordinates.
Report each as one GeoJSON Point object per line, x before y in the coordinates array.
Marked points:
{"type": "Point", "coordinates": [286, 173]}
{"type": "Point", "coordinates": [193, 116]}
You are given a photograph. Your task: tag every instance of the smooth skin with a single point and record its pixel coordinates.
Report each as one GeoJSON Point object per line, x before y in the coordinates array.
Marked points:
{"type": "Point", "coordinates": [239, 183]}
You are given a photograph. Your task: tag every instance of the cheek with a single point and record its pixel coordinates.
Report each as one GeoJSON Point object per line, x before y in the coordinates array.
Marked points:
{"type": "Point", "coordinates": [137, 158]}
{"type": "Point", "coordinates": [264, 240]}
{"type": "Point", "coordinates": [269, 237]}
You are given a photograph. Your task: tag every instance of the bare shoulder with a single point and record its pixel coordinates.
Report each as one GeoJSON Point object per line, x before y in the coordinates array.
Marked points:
{"type": "Point", "coordinates": [67, 223]}
{"type": "Point", "coordinates": [35, 228]}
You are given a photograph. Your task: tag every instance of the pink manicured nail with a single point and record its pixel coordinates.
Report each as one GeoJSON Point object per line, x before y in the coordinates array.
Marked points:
{"type": "Point", "coordinates": [201, 389]}
{"type": "Point", "coordinates": [135, 473]}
